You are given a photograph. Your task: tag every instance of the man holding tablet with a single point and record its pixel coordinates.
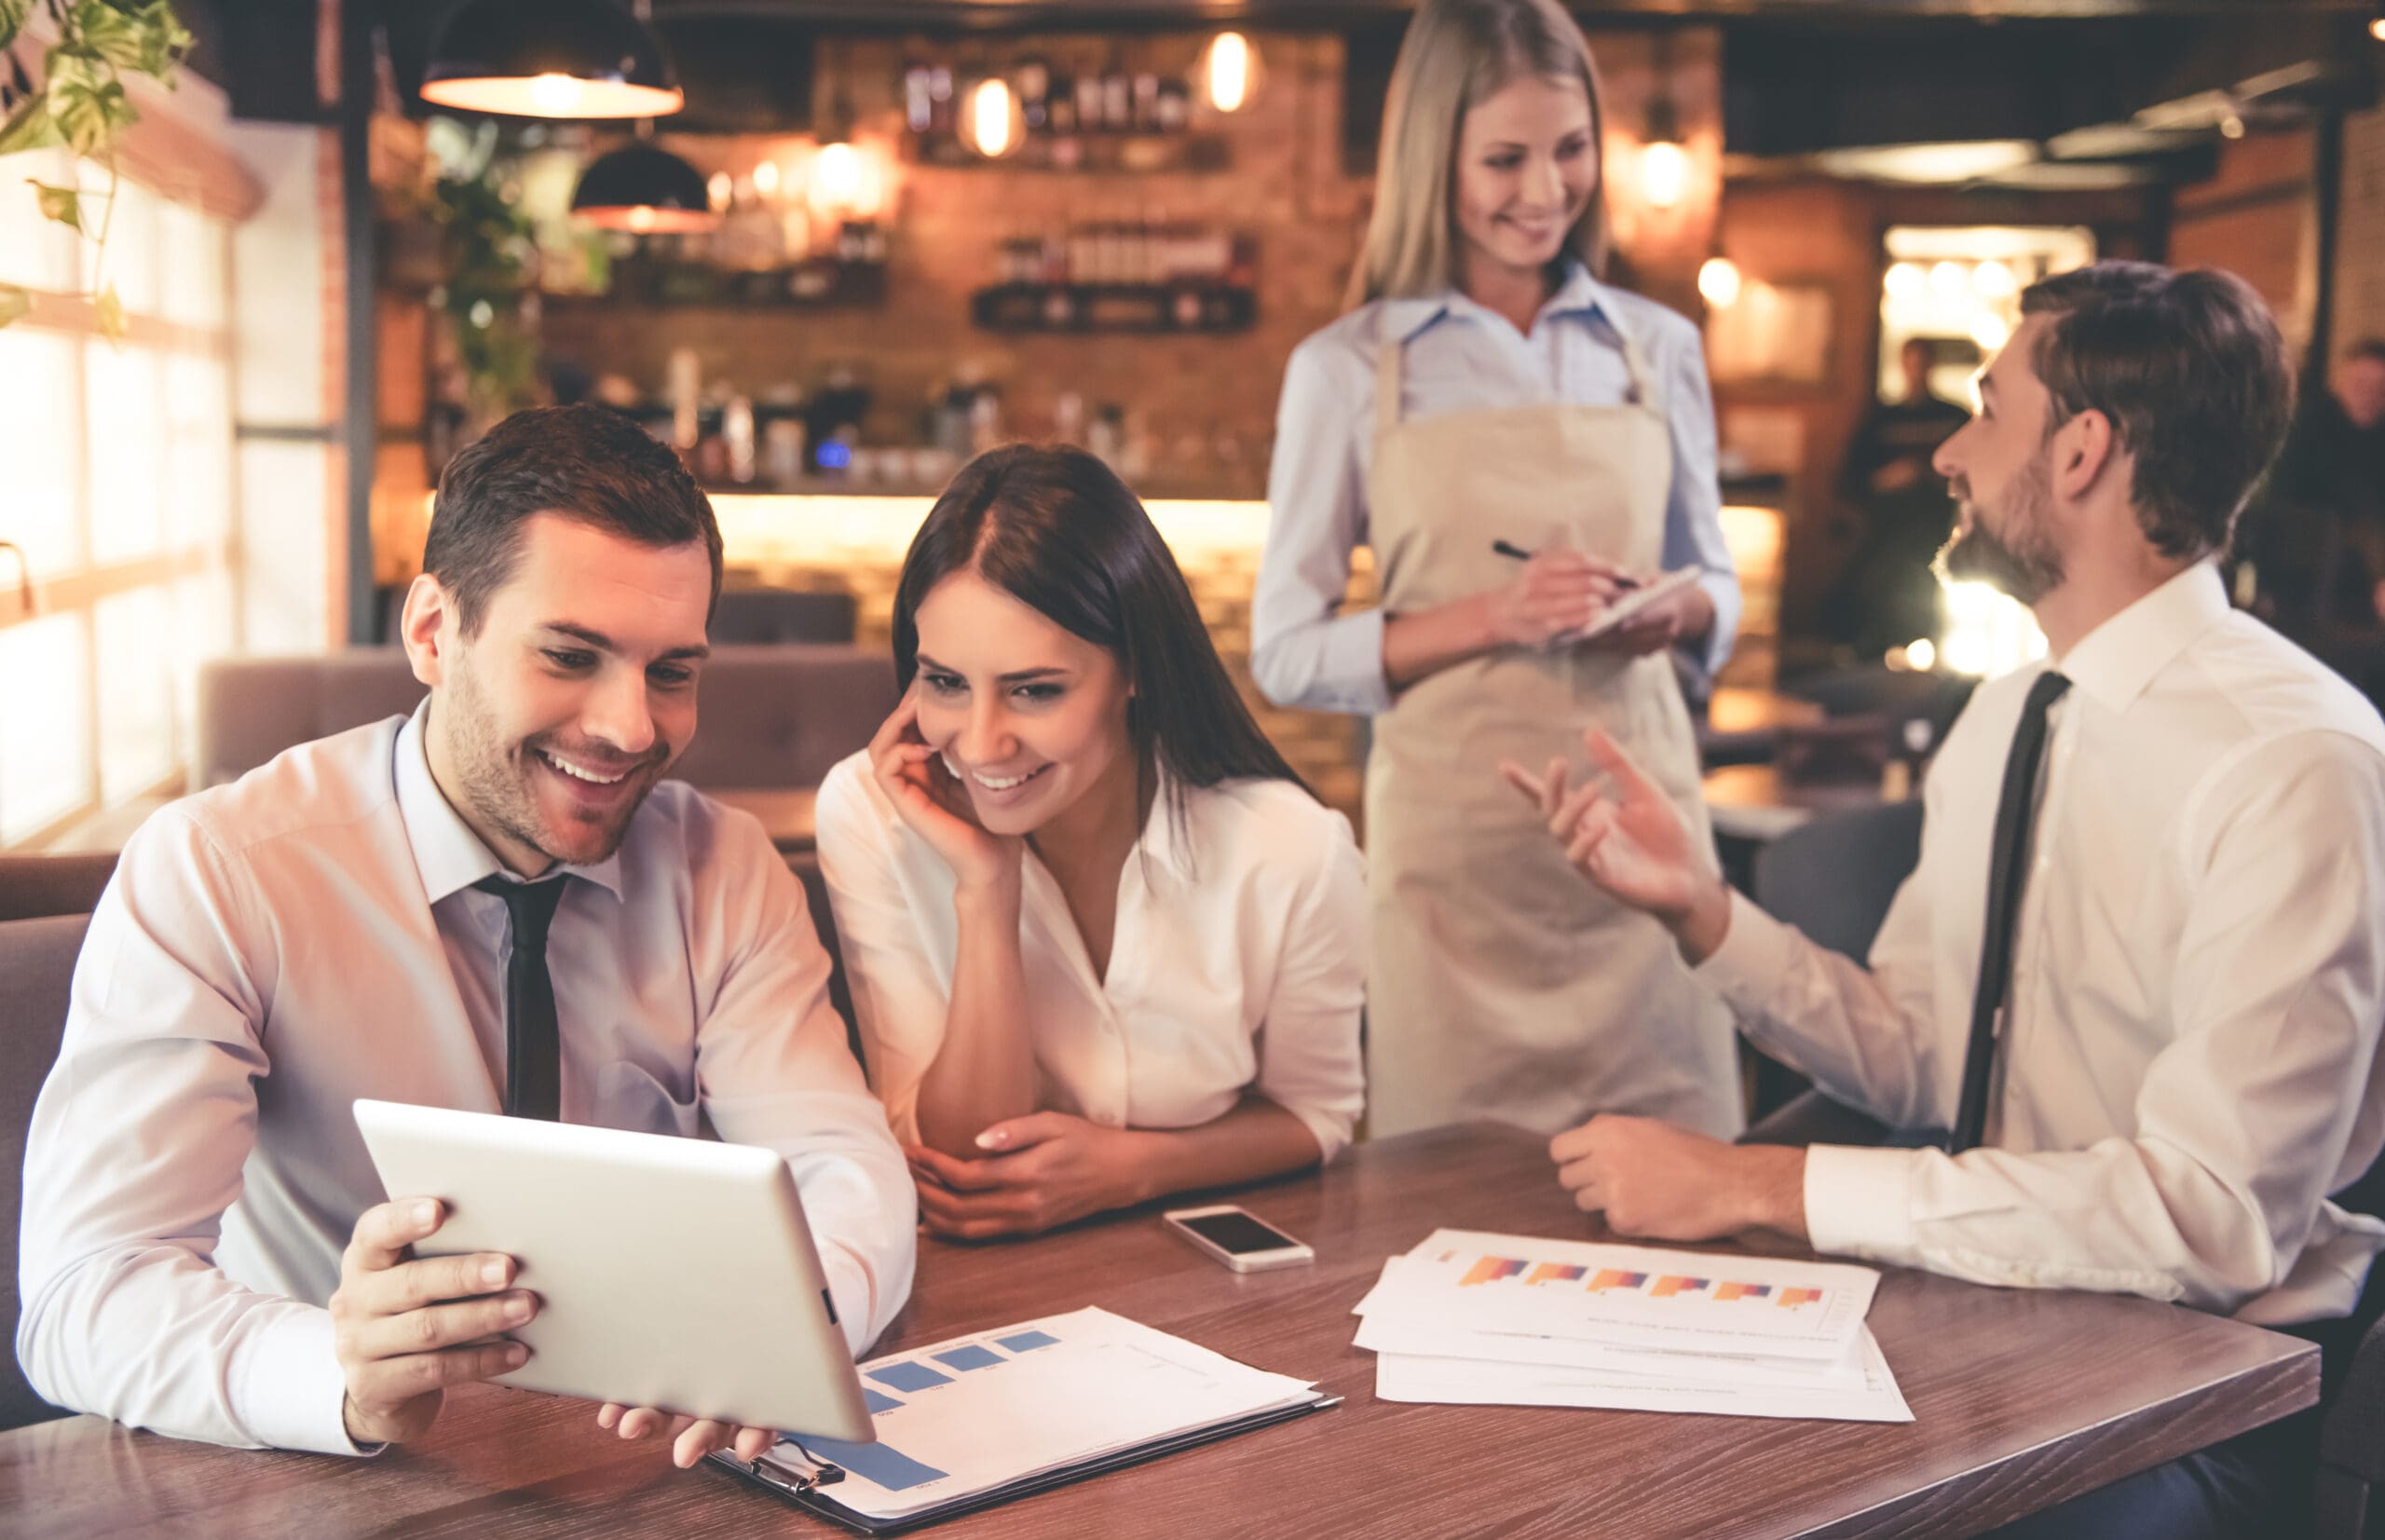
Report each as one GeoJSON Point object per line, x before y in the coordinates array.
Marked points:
{"type": "Point", "coordinates": [492, 905]}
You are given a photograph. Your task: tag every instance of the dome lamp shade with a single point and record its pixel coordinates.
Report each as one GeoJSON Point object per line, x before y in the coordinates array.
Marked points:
{"type": "Point", "coordinates": [645, 190]}
{"type": "Point", "coordinates": [571, 59]}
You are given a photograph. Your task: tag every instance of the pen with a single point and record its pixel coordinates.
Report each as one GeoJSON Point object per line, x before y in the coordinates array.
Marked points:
{"type": "Point", "coordinates": [1509, 548]}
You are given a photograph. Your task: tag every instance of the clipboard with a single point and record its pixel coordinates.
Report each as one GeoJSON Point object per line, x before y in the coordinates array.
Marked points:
{"type": "Point", "coordinates": [812, 1488]}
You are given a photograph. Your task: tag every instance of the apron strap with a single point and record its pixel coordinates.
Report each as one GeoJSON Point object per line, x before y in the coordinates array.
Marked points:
{"type": "Point", "coordinates": [1644, 379]}
{"type": "Point", "coordinates": [1389, 382]}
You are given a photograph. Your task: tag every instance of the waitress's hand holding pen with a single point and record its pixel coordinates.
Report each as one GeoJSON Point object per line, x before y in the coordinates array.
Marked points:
{"type": "Point", "coordinates": [1556, 591]}
{"type": "Point", "coordinates": [1633, 842]}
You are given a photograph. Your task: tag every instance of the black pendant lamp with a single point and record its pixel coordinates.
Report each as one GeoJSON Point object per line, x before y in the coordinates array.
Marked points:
{"type": "Point", "coordinates": [645, 190]}
{"type": "Point", "coordinates": [551, 59]}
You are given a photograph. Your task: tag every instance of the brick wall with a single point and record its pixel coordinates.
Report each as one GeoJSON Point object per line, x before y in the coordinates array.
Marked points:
{"type": "Point", "coordinates": [2255, 218]}
{"type": "Point", "coordinates": [1208, 403]}
{"type": "Point", "coordinates": [2360, 232]}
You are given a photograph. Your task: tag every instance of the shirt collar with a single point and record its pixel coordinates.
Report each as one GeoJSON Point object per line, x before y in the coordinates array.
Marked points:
{"type": "Point", "coordinates": [1163, 839]}
{"type": "Point", "coordinates": [2116, 660]}
{"type": "Point", "coordinates": [1577, 293]}
{"type": "Point", "coordinates": [447, 854]}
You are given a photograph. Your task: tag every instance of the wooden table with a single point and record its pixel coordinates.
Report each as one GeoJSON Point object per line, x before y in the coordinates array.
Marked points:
{"type": "Point", "coordinates": [2023, 1398]}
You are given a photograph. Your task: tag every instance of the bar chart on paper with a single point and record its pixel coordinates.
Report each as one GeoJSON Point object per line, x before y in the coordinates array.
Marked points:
{"type": "Point", "coordinates": [1602, 1292]}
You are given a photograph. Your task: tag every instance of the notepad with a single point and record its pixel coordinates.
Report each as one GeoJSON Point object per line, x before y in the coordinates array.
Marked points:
{"type": "Point", "coordinates": [977, 1420]}
{"type": "Point", "coordinates": [1631, 604]}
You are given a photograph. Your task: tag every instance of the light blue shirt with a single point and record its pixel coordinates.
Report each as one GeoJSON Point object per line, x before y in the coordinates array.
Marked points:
{"type": "Point", "coordinates": [1461, 356]}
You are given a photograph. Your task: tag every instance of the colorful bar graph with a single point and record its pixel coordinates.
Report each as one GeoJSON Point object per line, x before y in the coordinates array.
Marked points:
{"type": "Point", "coordinates": [1491, 1269]}
{"type": "Point", "coordinates": [878, 1402]}
{"type": "Point", "coordinates": [1790, 1298]}
{"type": "Point", "coordinates": [1555, 1272]}
{"type": "Point", "coordinates": [1742, 1291]}
{"type": "Point", "coordinates": [1673, 1282]}
{"type": "Point", "coordinates": [972, 1357]}
{"type": "Point", "coordinates": [1610, 1277]}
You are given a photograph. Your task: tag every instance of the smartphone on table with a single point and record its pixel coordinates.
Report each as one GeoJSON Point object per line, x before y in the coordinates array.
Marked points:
{"type": "Point", "coordinates": [1236, 1238]}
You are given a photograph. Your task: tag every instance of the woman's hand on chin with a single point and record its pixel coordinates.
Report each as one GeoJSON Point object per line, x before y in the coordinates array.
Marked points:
{"type": "Point", "coordinates": [1040, 1170]}
{"type": "Point", "coordinates": [936, 806]}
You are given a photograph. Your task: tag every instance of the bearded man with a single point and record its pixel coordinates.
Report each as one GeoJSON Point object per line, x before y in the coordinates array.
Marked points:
{"type": "Point", "coordinates": [2126, 1008]}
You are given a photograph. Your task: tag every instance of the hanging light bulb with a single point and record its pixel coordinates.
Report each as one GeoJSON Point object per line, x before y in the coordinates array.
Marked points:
{"type": "Point", "coordinates": [1230, 71]}
{"type": "Point", "coordinates": [1664, 174]}
{"type": "Point", "coordinates": [990, 120]}
{"type": "Point", "coordinates": [551, 59]}
{"type": "Point", "coordinates": [1718, 280]}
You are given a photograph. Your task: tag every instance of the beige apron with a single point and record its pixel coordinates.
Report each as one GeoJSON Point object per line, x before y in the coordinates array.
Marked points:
{"type": "Point", "coordinates": [1504, 985]}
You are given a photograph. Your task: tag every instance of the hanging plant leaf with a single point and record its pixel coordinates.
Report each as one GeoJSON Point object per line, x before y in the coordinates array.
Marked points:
{"type": "Point", "coordinates": [63, 204]}
{"type": "Point", "coordinates": [88, 101]}
{"type": "Point", "coordinates": [111, 314]}
{"type": "Point", "coordinates": [146, 38]}
{"type": "Point", "coordinates": [30, 126]}
{"type": "Point", "coordinates": [14, 302]}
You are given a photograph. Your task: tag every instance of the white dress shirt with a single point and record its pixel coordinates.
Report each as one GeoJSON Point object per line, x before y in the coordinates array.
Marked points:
{"type": "Point", "coordinates": [1238, 960]}
{"type": "Point", "coordinates": [1461, 356]}
{"type": "Point", "coordinates": [273, 949]}
{"type": "Point", "coordinates": [2199, 981]}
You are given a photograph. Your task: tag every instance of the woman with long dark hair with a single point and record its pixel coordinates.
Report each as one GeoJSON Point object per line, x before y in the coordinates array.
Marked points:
{"type": "Point", "coordinates": [1103, 944]}
{"type": "Point", "coordinates": [1521, 445]}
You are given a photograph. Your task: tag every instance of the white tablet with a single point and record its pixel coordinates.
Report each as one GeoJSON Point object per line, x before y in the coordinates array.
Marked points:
{"type": "Point", "coordinates": [676, 1273]}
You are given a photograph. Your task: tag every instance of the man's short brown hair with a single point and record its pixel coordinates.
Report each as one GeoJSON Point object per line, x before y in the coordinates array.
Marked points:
{"type": "Point", "coordinates": [2190, 371]}
{"type": "Point", "coordinates": [585, 462]}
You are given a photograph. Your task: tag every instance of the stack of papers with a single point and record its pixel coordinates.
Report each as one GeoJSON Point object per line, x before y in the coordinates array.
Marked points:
{"type": "Point", "coordinates": [1519, 1321]}
{"type": "Point", "coordinates": [983, 1417]}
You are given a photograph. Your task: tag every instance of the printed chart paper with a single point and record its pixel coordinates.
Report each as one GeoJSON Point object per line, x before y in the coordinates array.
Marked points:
{"type": "Point", "coordinates": [1873, 1398]}
{"type": "Point", "coordinates": [981, 1411]}
{"type": "Point", "coordinates": [1513, 1320]}
{"type": "Point", "coordinates": [1629, 1296]}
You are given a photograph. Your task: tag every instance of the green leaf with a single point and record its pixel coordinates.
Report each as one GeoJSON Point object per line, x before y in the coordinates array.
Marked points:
{"type": "Point", "coordinates": [111, 314]}
{"type": "Point", "coordinates": [88, 101]}
{"type": "Point", "coordinates": [166, 42]}
{"type": "Point", "coordinates": [12, 19]}
{"type": "Point", "coordinates": [14, 302]}
{"type": "Point", "coordinates": [63, 204]}
{"type": "Point", "coordinates": [146, 38]}
{"type": "Point", "coordinates": [30, 126]}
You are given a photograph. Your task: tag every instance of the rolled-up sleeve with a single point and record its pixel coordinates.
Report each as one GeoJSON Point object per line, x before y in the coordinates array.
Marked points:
{"type": "Point", "coordinates": [774, 1070]}
{"type": "Point", "coordinates": [1694, 506]}
{"type": "Point", "coordinates": [134, 1153]}
{"type": "Point", "coordinates": [1310, 1061]}
{"type": "Point", "coordinates": [1305, 651]}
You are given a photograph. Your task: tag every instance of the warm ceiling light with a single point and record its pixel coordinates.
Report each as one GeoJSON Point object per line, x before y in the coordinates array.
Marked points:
{"type": "Point", "coordinates": [2377, 29]}
{"type": "Point", "coordinates": [549, 59]}
{"type": "Point", "coordinates": [1905, 282]}
{"type": "Point", "coordinates": [1664, 174]}
{"type": "Point", "coordinates": [1949, 279]}
{"type": "Point", "coordinates": [645, 190]}
{"type": "Point", "coordinates": [765, 178]}
{"type": "Point", "coordinates": [991, 120]}
{"type": "Point", "coordinates": [1994, 280]}
{"type": "Point", "coordinates": [1990, 330]}
{"type": "Point", "coordinates": [1718, 280]}
{"type": "Point", "coordinates": [1230, 71]}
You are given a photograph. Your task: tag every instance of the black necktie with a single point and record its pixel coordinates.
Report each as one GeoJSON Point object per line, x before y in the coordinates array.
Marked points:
{"type": "Point", "coordinates": [533, 1051]}
{"type": "Point", "coordinates": [2007, 875]}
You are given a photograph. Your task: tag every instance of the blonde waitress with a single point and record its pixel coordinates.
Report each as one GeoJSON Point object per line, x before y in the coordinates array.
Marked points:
{"type": "Point", "coordinates": [1487, 387]}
